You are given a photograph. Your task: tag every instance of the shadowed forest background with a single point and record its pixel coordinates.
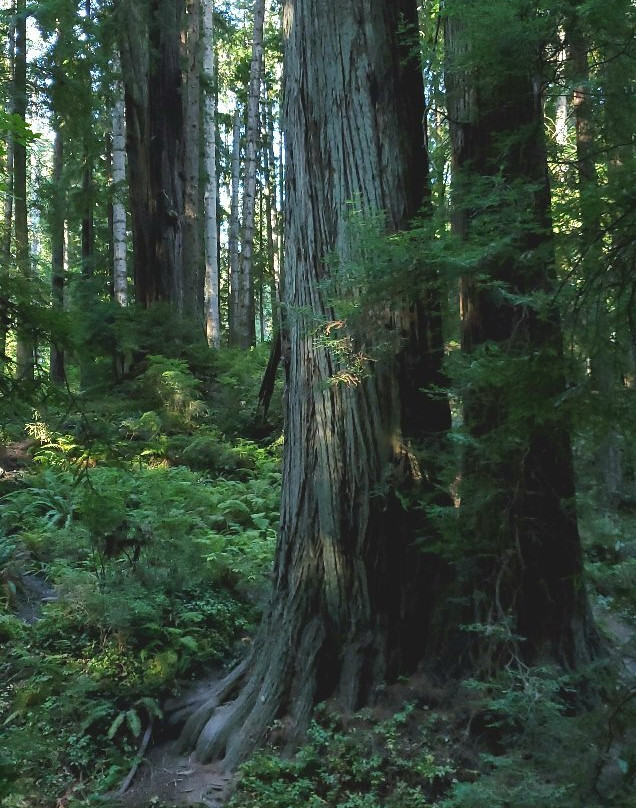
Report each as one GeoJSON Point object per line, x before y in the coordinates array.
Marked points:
{"type": "Point", "coordinates": [317, 404]}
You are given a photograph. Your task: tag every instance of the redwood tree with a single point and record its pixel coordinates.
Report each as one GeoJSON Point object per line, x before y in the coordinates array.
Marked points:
{"type": "Point", "coordinates": [351, 592]}
{"type": "Point", "coordinates": [525, 573]}
{"type": "Point", "coordinates": [150, 47]}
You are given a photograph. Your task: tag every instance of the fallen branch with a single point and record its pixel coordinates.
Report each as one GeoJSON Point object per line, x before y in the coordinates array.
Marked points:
{"type": "Point", "coordinates": [127, 781]}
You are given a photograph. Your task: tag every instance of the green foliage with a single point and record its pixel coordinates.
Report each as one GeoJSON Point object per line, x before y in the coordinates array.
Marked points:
{"type": "Point", "coordinates": [512, 741]}
{"type": "Point", "coordinates": [388, 764]}
{"type": "Point", "coordinates": [169, 384]}
{"type": "Point", "coordinates": [148, 561]}
{"type": "Point", "coordinates": [539, 750]}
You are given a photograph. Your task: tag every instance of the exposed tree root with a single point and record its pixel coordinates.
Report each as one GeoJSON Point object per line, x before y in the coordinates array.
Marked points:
{"type": "Point", "coordinates": [271, 684]}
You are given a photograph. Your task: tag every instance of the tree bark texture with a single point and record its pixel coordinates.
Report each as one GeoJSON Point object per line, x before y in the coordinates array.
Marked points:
{"type": "Point", "coordinates": [243, 326]}
{"type": "Point", "coordinates": [210, 193]}
{"type": "Point", "coordinates": [351, 593]}
{"type": "Point", "coordinates": [517, 489]}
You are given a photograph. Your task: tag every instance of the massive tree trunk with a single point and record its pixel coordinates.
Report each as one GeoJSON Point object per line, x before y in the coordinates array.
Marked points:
{"type": "Point", "coordinates": [242, 331]}
{"type": "Point", "coordinates": [351, 596]}
{"type": "Point", "coordinates": [212, 310]}
{"type": "Point", "coordinates": [518, 488]}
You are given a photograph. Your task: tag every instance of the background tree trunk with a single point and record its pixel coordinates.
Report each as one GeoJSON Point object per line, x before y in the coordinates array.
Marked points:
{"type": "Point", "coordinates": [166, 137]}
{"type": "Point", "coordinates": [193, 277]}
{"type": "Point", "coordinates": [233, 227]}
{"type": "Point", "coordinates": [212, 311]}
{"type": "Point", "coordinates": [120, 268]}
{"type": "Point", "coordinates": [150, 53]}
{"type": "Point", "coordinates": [132, 26]}
{"type": "Point", "coordinates": [351, 592]}
{"type": "Point", "coordinates": [243, 326]}
{"type": "Point", "coordinates": [57, 218]}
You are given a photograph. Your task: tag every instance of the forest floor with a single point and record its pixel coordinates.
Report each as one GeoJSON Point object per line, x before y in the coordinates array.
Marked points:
{"type": "Point", "coordinates": [167, 778]}
{"type": "Point", "coordinates": [137, 558]}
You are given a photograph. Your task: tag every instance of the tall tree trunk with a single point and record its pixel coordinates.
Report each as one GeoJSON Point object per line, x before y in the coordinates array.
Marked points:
{"type": "Point", "coordinates": [233, 228]}
{"type": "Point", "coordinates": [243, 326]}
{"type": "Point", "coordinates": [271, 219]}
{"type": "Point", "coordinates": [350, 604]}
{"type": "Point", "coordinates": [120, 268]}
{"type": "Point", "coordinates": [25, 349]}
{"type": "Point", "coordinates": [518, 506]}
{"type": "Point", "coordinates": [7, 219]}
{"type": "Point", "coordinates": [193, 277]}
{"type": "Point", "coordinates": [87, 295]}
{"type": "Point", "coordinates": [166, 136]}
{"type": "Point", "coordinates": [132, 26]}
{"type": "Point", "coordinates": [151, 65]}
{"type": "Point", "coordinates": [212, 310]}
{"type": "Point", "coordinates": [57, 218]}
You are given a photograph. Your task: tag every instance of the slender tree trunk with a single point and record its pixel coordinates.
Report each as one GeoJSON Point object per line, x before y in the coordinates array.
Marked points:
{"type": "Point", "coordinates": [120, 268]}
{"type": "Point", "coordinates": [243, 327]}
{"type": "Point", "coordinates": [212, 310]}
{"type": "Point", "coordinates": [193, 277]}
{"type": "Point", "coordinates": [25, 350]}
{"type": "Point", "coordinates": [517, 483]}
{"type": "Point", "coordinates": [350, 605]}
{"type": "Point", "coordinates": [87, 294]}
{"type": "Point", "coordinates": [57, 218]}
{"type": "Point", "coordinates": [7, 219]}
{"type": "Point", "coordinates": [233, 229]}
{"type": "Point", "coordinates": [271, 218]}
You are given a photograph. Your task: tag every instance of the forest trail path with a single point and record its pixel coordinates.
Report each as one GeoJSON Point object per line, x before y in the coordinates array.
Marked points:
{"type": "Point", "coordinates": [169, 778]}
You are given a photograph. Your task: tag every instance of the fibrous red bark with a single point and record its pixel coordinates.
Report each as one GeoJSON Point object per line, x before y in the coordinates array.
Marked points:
{"type": "Point", "coordinates": [351, 591]}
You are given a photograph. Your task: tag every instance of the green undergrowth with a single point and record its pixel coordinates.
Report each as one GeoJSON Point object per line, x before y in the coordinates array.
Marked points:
{"type": "Point", "coordinates": [134, 553]}
{"type": "Point", "coordinates": [512, 742]}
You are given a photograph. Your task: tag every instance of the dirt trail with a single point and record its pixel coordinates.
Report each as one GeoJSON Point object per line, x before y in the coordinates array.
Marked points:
{"type": "Point", "coordinates": [176, 779]}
